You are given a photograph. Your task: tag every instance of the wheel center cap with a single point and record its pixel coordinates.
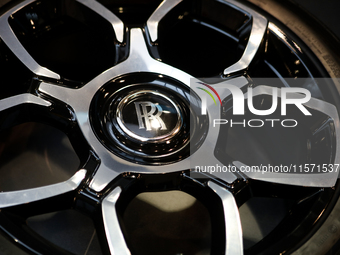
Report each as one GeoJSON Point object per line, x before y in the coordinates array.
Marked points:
{"type": "Point", "coordinates": [148, 116]}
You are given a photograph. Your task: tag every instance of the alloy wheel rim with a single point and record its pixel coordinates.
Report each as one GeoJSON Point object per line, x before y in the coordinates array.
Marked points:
{"type": "Point", "coordinates": [105, 178]}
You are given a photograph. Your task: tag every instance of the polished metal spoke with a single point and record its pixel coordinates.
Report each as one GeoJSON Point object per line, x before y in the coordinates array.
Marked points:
{"type": "Point", "coordinates": [233, 228]}
{"type": "Point", "coordinates": [157, 15]}
{"type": "Point", "coordinates": [204, 157]}
{"type": "Point", "coordinates": [114, 234]}
{"type": "Point", "coordinates": [12, 42]}
{"type": "Point", "coordinates": [259, 27]}
{"type": "Point", "coordinates": [25, 98]}
{"type": "Point", "coordinates": [20, 197]}
{"type": "Point", "coordinates": [305, 179]}
{"type": "Point", "coordinates": [117, 24]}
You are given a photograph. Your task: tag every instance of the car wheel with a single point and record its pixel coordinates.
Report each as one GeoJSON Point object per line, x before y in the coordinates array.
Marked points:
{"type": "Point", "coordinates": [121, 132]}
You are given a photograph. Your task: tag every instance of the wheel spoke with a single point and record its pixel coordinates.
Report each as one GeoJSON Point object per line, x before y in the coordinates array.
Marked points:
{"type": "Point", "coordinates": [140, 60]}
{"type": "Point", "coordinates": [113, 232]}
{"type": "Point", "coordinates": [22, 99]}
{"type": "Point", "coordinates": [233, 228]}
{"type": "Point", "coordinates": [13, 198]}
{"type": "Point", "coordinates": [157, 15]}
{"type": "Point", "coordinates": [61, 93]}
{"type": "Point", "coordinates": [204, 157]}
{"type": "Point", "coordinates": [8, 36]}
{"type": "Point", "coordinates": [324, 179]}
{"type": "Point", "coordinates": [103, 177]}
{"type": "Point", "coordinates": [117, 24]}
{"type": "Point", "coordinates": [259, 26]}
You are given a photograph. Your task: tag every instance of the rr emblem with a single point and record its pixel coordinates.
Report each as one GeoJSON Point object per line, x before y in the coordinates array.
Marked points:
{"type": "Point", "coordinates": [151, 118]}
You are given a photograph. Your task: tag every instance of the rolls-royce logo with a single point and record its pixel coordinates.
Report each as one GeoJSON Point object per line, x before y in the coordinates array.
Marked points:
{"type": "Point", "coordinates": [151, 114]}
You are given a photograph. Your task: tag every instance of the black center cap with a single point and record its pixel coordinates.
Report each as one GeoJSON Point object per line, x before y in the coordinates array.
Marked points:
{"type": "Point", "coordinates": [146, 118]}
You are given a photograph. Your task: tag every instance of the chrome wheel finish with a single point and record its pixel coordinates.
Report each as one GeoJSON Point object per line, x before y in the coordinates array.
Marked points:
{"type": "Point", "coordinates": [112, 229]}
{"type": "Point", "coordinates": [116, 160]}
